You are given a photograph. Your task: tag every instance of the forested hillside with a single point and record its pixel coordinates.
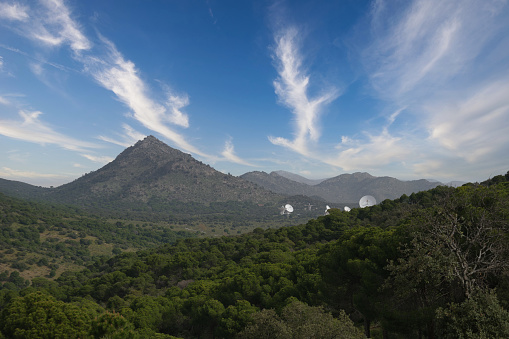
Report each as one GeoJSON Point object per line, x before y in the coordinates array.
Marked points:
{"type": "Point", "coordinates": [433, 264]}
{"type": "Point", "coordinates": [46, 239]}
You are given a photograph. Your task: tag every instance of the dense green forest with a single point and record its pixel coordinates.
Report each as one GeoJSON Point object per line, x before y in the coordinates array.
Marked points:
{"type": "Point", "coordinates": [434, 264]}
{"type": "Point", "coordinates": [47, 239]}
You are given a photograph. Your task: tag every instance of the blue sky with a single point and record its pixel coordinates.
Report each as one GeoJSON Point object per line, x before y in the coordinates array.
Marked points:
{"type": "Point", "coordinates": [409, 89]}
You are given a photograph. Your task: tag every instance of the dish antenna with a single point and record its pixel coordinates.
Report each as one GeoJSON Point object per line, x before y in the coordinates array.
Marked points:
{"type": "Point", "coordinates": [327, 208]}
{"type": "Point", "coordinates": [288, 208]}
{"type": "Point", "coordinates": [347, 209]}
{"type": "Point", "coordinates": [367, 201]}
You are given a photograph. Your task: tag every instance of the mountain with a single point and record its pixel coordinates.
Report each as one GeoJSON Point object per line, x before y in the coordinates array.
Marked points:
{"type": "Point", "coordinates": [153, 170]}
{"type": "Point", "coordinates": [279, 184]}
{"type": "Point", "coordinates": [351, 187]}
{"type": "Point", "coordinates": [21, 190]}
{"type": "Point", "coordinates": [151, 180]}
{"type": "Point", "coordinates": [344, 189]}
{"type": "Point", "coordinates": [298, 178]}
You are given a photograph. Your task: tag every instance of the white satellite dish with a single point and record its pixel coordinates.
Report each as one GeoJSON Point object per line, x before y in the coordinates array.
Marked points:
{"type": "Point", "coordinates": [288, 208]}
{"type": "Point", "coordinates": [367, 201]}
{"type": "Point", "coordinates": [327, 208]}
{"type": "Point", "coordinates": [347, 209]}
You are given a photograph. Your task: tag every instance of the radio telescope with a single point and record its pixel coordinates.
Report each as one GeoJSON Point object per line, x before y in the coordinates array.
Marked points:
{"type": "Point", "coordinates": [347, 209]}
{"type": "Point", "coordinates": [367, 201]}
{"type": "Point", "coordinates": [286, 209]}
{"type": "Point", "coordinates": [327, 208]}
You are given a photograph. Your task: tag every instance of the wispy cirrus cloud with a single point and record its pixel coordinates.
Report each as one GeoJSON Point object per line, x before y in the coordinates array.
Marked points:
{"type": "Point", "coordinates": [425, 44]}
{"type": "Point", "coordinates": [121, 77]}
{"type": "Point", "coordinates": [447, 63]}
{"type": "Point", "coordinates": [13, 11]}
{"type": "Point", "coordinates": [292, 90]}
{"type": "Point", "coordinates": [473, 127]}
{"type": "Point", "coordinates": [6, 172]}
{"type": "Point", "coordinates": [128, 138]}
{"type": "Point", "coordinates": [32, 129]}
{"type": "Point", "coordinates": [51, 24]}
{"type": "Point", "coordinates": [98, 158]}
{"type": "Point", "coordinates": [229, 154]}
{"type": "Point", "coordinates": [370, 153]}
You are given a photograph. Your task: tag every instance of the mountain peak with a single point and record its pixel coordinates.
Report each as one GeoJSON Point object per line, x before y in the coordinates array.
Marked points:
{"type": "Point", "coordinates": [152, 150]}
{"type": "Point", "coordinates": [152, 171]}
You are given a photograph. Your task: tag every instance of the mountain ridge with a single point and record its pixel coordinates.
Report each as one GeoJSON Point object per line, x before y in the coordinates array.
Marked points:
{"type": "Point", "coordinates": [152, 176]}
{"type": "Point", "coordinates": [344, 188]}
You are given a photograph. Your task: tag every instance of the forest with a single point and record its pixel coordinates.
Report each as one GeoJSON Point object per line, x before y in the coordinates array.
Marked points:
{"type": "Point", "coordinates": [434, 264]}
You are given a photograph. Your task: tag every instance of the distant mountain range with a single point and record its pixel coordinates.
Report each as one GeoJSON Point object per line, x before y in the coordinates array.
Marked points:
{"type": "Point", "coordinates": [343, 189]}
{"type": "Point", "coordinates": [153, 178]}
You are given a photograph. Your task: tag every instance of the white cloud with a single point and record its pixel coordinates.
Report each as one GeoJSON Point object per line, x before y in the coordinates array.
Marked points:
{"type": "Point", "coordinates": [48, 22]}
{"type": "Point", "coordinates": [476, 126]}
{"type": "Point", "coordinates": [128, 138]}
{"type": "Point", "coordinates": [174, 104]}
{"type": "Point", "coordinates": [121, 77]}
{"type": "Point", "coordinates": [446, 63]}
{"type": "Point", "coordinates": [98, 158]}
{"type": "Point", "coordinates": [229, 154]}
{"type": "Point", "coordinates": [56, 27]}
{"type": "Point", "coordinates": [291, 87]}
{"type": "Point", "coordinates": [377, 151]}
{"type": "Point", "coordinates": [13, 11]}
{"type": "Point", "coordinates": [30, 128]}
{"type": "Point", "coordinates": [6, 172]}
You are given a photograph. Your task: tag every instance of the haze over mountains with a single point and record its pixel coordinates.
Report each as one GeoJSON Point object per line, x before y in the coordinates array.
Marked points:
{"type": "Point", "coordinates": [153, 177]}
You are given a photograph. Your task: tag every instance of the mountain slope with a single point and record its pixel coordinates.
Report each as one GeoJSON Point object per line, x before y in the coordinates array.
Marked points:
{"type": "Point", "coordinates": [151, 170]}
{"type": "Point", "coordinates": [279, 184]}
{"type": "Point", "coordinates": [20, 189]}
{"type": "Point", "coordinates": [345, 188]}
{"type": "Point", "coordinates": [299, 178]}
{"type": "Point", "coordinates": [351, 187]}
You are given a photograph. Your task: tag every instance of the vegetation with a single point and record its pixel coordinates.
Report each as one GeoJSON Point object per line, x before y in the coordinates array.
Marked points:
{"type": "Point", "coordinates": [433, 264]}
{"type": "Point", "coordinates": [44, 240]}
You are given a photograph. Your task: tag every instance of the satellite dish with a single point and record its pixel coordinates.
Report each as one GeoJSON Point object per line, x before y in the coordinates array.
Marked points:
{"type": "Point", "coordinates": [288, 208]}
{"type": "Point", "coordinates": [327, 208]}
{"type": "Point", "coordinates": [367, 201]}
{"type": "Point", "coordinates": [347, 209]}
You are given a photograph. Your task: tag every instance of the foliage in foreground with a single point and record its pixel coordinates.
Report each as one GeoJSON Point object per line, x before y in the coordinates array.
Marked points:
{"type": "Point", "coordinates": [434, 264]}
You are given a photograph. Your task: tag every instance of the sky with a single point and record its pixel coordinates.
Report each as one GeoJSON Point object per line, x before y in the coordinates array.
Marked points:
{"type": "Point", "coordinates": [409, 89]}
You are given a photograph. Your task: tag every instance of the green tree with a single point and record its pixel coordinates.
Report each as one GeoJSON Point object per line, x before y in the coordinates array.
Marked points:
{"type": "Point", "coordinates": [479, 316]}
{"type": "Point", "coordinates": [37, 315]}
{"type": "Point", "coordinates": [300, 321]}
